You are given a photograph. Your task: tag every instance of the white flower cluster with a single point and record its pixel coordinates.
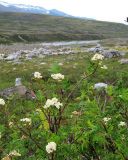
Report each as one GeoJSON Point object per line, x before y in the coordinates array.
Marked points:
{"type": "Point", "coordinates": [122, 124]}
{"type": "Point", "coordinates": [53, 102]}
{"type": "Point", "coordinates": [2, 102]}
{"type": "Point", "coordinates": [104, 67]}
{"type": "Point", "coordinates": [26, 120]}
{"type": "Point", "coordinates": [37, 75]}
{"type": "Point", "coordinates": [14, 153]}
{"type": "Point", "coordinates": [1, 56]}
{"type": "Point", "coordinates": [51, 147]}
{"type": "Point", "coordinates": [57, 76]}
{"type": "Point", "coordinates": [97, 57]}
{"type": "Point", "coordinates": [106, 119]}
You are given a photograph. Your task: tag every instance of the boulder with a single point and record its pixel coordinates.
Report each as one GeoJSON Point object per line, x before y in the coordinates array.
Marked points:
{"type": "Point", "coordinates": [112, 53]}
{"type": "Point", "coordinates": [100, 85]}
{"type": "Point", "coordinates": [124, 61]}
{"type": "Point", "coordinates": [19, 90]}
{"type": "Point", "coordinates": [14, 56]}
{"type": "Point", "coordinates": [97, 49]}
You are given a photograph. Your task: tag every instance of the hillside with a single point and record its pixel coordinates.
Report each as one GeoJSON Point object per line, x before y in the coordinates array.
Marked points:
{"type": "Point", "coordinates": [33, 27]}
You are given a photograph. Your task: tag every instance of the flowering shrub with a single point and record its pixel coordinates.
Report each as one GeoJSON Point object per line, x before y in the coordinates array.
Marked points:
{"type": "Point", "coordinates": [67, 120]}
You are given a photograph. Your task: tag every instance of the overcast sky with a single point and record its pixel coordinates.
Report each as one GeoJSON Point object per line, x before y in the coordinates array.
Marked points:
{"type": "Point", "coordinates": [107, 10]}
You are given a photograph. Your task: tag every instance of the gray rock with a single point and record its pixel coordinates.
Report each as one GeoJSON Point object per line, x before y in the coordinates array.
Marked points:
{"type": "Point", "coordinates": [124, 61]}
{"type": "Point", "coordinates": [19, 90]}
{"type": "Point", "coordinates": [18, 82]}
{"type": "Point", "coordinates": [100, 85]}
{"type": "Point", "coordinates": [112, 53]}
{"type": "Point", "coordinates": [14, 56]}
{"type": "Point", "coordinates": [97, 49]}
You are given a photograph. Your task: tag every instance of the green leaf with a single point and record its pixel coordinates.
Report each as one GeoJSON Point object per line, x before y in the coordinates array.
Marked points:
{"type": "Point", "coordinates": [44, 120]}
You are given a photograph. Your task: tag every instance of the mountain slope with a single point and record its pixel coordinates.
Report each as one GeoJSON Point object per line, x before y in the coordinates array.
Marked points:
{"type": "Point", "coordinates": [6, 7]}
{"type": "Point", "coordinates": [33, 27]}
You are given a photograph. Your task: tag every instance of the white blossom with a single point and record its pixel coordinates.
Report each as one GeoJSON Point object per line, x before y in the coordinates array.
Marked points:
{"type": "Point", "coordinates": [26, 120]}
{"type": "Point", "coordinates": [57, 76]}
{"type": "Point", "coordinates": [53, 102]}
{"type": "Point", "coordinates": [106, 119]}
{"type": "Point", "coordinates": [2, 102]}
{"type": "Point", "coordinates": [51, 147]}
{"type": "Point", "coordinates": [104, 67]}
{"type": "Point", "coordinates": [37, 75]}
{"type": "Point", "coordinates": [97, 57]}
{"type": "Point", "coordinates": [122, 124]}
{"type": "Point", "coordinates": [14, 153]}
{"type": "Point", "coordinates": [1, 56]}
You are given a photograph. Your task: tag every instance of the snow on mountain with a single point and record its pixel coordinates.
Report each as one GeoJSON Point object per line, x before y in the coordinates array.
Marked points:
{"type": "Point", "coordinates": [6, 7]}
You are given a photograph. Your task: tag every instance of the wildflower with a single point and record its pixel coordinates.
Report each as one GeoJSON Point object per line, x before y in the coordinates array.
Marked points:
{"type": "Point", "coordinates": [57, 76]}
{"type": "Point", "coordinates": [104, 67]}
{"type": "Point", "coordinates": [97, 57]}
{"type": "Point", "coordinates": [1, 56]}
{"type": "Point", "coordinates": [122, 124]}
{"type": "Point", "coordinates": [53, 102]}
{"type": "Point", "coordinates": [100, 85]}
{"type": "Point", "coordinates": [76, 113]}
{"type": "Point", "coordinates": [26, 120]}
{"type": "Point", "coordinates": [37, 75]}
{"type": "Point", "coordinates": [14, 153]}
{"type": "Point", "coordinates": [106, 119]}
{"type": "Point", "coordinates": [2, 102]}
{"type": "Point", "coordinates": [10, 124]}
{"type": "Point", "coordinates": [51, 147]}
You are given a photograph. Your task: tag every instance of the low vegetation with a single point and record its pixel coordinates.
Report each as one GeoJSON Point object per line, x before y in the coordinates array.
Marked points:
{"type": "Point", "coordinates": [24, 27]}
{"type": "Point", "coordinates": [71, 118]}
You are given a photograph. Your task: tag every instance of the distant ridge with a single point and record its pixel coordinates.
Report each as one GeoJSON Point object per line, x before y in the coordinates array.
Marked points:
{"type": "Point", "coordinates": [27, 27]}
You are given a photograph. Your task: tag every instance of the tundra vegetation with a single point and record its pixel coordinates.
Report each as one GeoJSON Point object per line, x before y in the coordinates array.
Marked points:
{"type": "Point", "coordinates": [80, 111]}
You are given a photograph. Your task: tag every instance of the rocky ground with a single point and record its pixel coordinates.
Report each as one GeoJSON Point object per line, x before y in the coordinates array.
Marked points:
{"type": "Point", "coordinates": [19, 52]}
{"type": "Point", "coordinates": [21, 60]}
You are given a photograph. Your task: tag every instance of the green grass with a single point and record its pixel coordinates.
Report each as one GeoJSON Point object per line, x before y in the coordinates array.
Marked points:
{"type": "Point", "coordinates": [33, 27]}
